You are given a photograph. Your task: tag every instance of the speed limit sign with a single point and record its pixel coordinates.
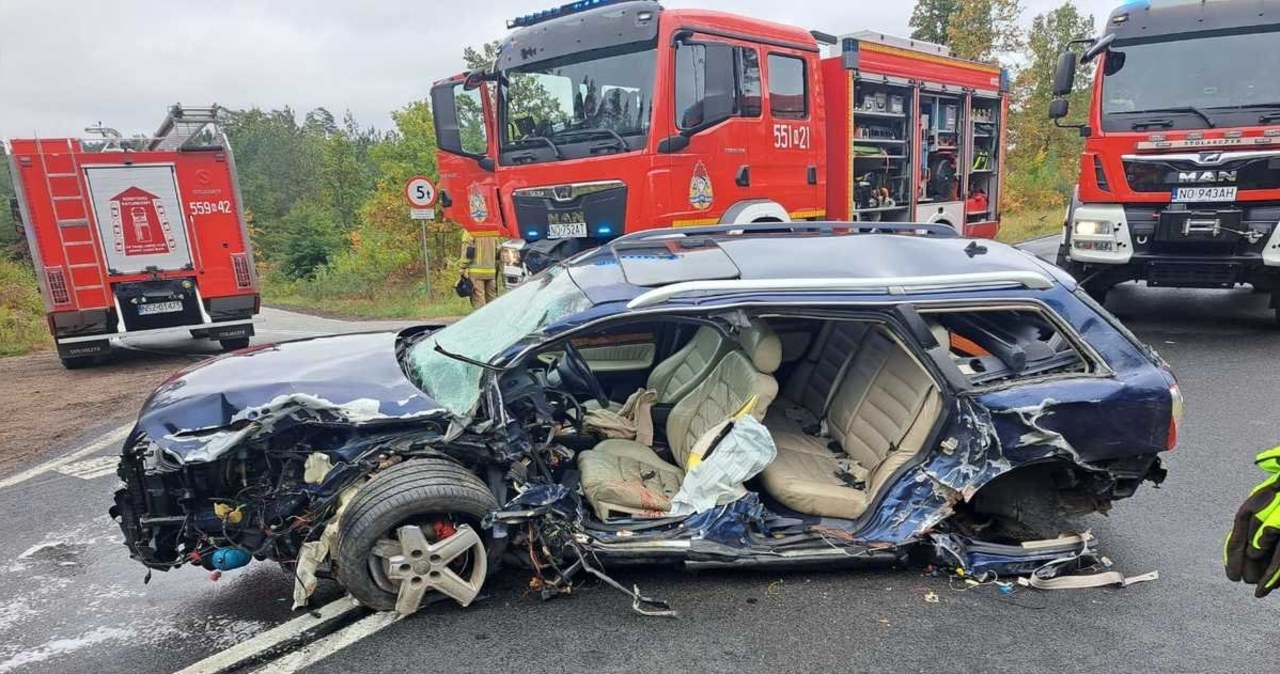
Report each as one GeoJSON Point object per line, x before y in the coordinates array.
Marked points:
{"type": "Point", "coordinates": [420, 192]}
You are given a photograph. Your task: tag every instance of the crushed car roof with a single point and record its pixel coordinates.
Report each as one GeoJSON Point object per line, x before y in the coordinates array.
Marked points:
{"type": "Point", "coordinates": [629, 267]}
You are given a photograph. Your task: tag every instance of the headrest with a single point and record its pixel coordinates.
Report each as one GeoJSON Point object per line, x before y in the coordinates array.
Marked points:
{"type": "Point", "coordinates": [762, 345]}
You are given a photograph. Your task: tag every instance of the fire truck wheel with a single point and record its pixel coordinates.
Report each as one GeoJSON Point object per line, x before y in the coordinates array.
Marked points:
{"type": "Point", "coordinates": [233, 344]}
{"type": "Point", "coordinates": [76, 362]}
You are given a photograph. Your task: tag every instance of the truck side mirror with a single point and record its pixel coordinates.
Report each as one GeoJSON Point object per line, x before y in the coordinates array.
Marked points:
{"type": "Point", "coordinates": [1058, 108]}
{"type": "Point", "coordinates": [1064, 76]}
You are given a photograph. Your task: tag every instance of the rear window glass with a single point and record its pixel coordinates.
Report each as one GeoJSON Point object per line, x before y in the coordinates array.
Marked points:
{"type": "Point", "coordinates": [1002, 345]}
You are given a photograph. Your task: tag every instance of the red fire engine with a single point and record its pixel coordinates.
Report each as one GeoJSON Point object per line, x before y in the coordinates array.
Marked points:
{"type": "Point", "coordinates": [603, 117]}
{"type": "Point", "coordinates": [133, 242]}
{"type": "Point", "coordinates": [1180, 178]}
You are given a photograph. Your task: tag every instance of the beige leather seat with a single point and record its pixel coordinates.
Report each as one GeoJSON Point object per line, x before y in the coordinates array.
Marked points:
{"type": "Point", "coordinates": [683, 370]}
{"type": "Point", "coordinates": [624, 477]}
{"type": "Point", "coordinates": [807, 392]}
{"type": "Point", "coordinates": [879, 417]}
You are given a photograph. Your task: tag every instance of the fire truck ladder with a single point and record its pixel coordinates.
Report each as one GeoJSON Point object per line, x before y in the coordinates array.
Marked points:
{"type": "Point", "coordinates": [72, 192]}
{"type": "Point", "coordinates": [185, 128]}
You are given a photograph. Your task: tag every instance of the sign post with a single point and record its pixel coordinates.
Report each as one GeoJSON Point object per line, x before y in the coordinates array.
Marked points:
{"type": "Point", "coordinates": [421, 194]}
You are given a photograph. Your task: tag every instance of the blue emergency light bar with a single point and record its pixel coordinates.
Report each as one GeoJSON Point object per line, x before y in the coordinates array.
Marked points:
{"type": "Point", "coordinates": [557, 12]}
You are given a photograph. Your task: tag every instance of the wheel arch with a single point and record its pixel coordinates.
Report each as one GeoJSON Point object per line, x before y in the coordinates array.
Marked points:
{"type": "Point", "coordinates": [755, 210]}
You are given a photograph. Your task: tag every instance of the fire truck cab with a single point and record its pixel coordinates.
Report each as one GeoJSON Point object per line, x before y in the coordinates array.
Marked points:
{"type": "Point", "coordinates": [1180, 177]}
{"type": "Point", "coordinates": [603, 117]}
{"type": "Point", "coordinates": [134, 238]}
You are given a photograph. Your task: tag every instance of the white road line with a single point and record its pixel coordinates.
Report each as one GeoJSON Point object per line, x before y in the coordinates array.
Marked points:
{"type": "Point", "coordinates": [237, 655]}
{"type": "Point", "coordinates": [113, 437]}
{"type": "Point", "coordinates": [316, 651]}
{"type": "Point", "coordinates": [98, 466]}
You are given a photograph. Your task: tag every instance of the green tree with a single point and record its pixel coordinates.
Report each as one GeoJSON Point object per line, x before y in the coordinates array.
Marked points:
{"type": "Point", "coordinates": [1044, 160]}
{"type": "Point", "coordinates": [981, 30]}
{"type": "Point", "coordinates": [8, 231]}
{"type": "Point", "coordinates": [930, 18]}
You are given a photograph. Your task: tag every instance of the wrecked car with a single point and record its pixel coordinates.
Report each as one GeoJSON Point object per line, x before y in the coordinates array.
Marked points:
{"type": "Point", "coordinates": [746, 396]}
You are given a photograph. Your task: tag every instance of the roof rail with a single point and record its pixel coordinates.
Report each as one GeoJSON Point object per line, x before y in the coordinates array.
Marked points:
{"type": "Point", "coordinates": [899, 285]}
{"type": "Point", "coordinates": [799, 227]}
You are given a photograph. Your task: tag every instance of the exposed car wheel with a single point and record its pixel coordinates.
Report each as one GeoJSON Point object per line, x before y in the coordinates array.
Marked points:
{"type": "Point", "coordinates": [412, 536]}
{"type": "Point", "coordinates": [76, 362]}
{"type": "Point", "coordinates": [234, 343]}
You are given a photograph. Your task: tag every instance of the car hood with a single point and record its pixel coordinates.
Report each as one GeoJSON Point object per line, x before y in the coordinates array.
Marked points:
{"type": "Point", "coordinates": [344, 379]}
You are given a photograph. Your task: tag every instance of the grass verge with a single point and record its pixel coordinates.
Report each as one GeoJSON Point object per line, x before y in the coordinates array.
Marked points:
{"type": "Point", "coordinates": [22, 325]}
{"type": "Point", "coordinates": [1016, 227]}
{"type": "Point", "coordinates": [395, 301]}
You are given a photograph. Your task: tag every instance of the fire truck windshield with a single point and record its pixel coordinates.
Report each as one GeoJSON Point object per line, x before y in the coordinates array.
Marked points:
{"type": "Point", "coordinates": [580, 105]}
{"type": "Point", "coordinates": [1192, 83]}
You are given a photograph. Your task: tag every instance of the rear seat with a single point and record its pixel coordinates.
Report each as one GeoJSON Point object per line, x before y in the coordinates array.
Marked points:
{"type": "Point", "coordinates": [803, 400]}
{"type": "Point", "coordinates": [878, 417]}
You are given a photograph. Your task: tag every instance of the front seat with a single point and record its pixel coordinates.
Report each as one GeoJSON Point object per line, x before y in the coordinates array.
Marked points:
{"type": "Point", "coordinates": [683, 370]}
{"type": "Point", "coordinates": [625, 477]}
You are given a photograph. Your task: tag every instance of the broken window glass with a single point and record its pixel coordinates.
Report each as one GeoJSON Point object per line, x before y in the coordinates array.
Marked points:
{"type": "Point", "coordinates": [484, 334]}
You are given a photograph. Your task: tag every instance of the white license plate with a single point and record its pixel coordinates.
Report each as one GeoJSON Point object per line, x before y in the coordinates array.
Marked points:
{"type": "Point", "coordinates": [1203, 194]}
{"type": "Point", "coordinates": [566, 230]}
{"type": "Point", "coordinates": [159, 308]}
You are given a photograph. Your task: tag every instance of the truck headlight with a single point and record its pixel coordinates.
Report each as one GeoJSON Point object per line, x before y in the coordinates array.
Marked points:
{"type": "Point", "coordinates": [1091, 228]}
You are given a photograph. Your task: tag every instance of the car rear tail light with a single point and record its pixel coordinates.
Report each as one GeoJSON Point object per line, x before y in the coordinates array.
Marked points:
{"type": "Point", "coordinates": [1175, 416]}
{"type": "Point", "coordinates": [56, 282]}
{"type": "Point", "coordinates": [240, 262]}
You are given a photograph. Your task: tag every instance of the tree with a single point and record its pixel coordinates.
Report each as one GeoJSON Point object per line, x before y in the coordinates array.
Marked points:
{"type": "Point", "coordinates": [930, 18]}
{"type": "Point", "coordinates": [8, 232]}
{"type": "Point", "coordinates": [980, 30]}
{"type": "Point", "coordinates": [1044, 160]}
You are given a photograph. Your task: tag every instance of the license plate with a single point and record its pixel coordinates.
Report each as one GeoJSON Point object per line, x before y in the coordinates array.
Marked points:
{"type": "Point", "coordinates": [566, 230]}
{"type": "Point", "coordinates": [159, 308]}
{"type": "Point", "coordinates": [1203, 194]}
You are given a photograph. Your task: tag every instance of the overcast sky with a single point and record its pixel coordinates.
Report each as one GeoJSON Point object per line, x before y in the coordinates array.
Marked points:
{"type": "Point", "coordinates": [65, 64]}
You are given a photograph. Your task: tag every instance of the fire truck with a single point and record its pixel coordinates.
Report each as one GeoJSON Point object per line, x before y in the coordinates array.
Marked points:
{"type": "Point", "coordinates": [136, 238]}
{"type": "Point", "coordinates": [1180, 177]}
{"type": "Point", "coordinates": [603, 117]}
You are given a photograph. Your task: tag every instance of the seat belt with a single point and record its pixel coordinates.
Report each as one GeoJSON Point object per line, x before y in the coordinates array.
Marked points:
{"type": "Point", "coordinates": [1092, 580]}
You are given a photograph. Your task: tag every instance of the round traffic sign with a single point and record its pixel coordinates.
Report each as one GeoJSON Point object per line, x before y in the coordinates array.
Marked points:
{"type": "Point", "coordinates": [420, 192]}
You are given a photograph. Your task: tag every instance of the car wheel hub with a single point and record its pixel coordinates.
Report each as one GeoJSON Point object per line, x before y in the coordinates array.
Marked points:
{"type": "Point", "coordinates": [453, 565]}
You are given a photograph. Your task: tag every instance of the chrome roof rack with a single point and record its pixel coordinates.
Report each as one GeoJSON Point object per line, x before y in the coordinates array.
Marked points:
{"type": "Point", "coordinates": [800, 227]}
{"type": "Point", "coordinates": [900, 285]}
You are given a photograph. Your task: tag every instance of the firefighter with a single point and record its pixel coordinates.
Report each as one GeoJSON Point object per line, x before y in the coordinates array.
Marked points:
{"type": "Point", "coordinates": [1253, 547]}
{"type": "Point", "coordinates": [480, 264]}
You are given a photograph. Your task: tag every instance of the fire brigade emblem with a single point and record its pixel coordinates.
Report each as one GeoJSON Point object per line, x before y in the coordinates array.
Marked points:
{"type": "Point", "coordinates": [477, 204]}
{"type": "Point", "coordinates": [139, 224]}
{"type": "Point", "coordinates": [700, 192]}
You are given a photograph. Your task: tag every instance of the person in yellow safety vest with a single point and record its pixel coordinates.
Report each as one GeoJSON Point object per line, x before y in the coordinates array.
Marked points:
{"type": "Point", "coordinates": [1253, 547]}
{"type": "Point", "coordinates": [480, 264]}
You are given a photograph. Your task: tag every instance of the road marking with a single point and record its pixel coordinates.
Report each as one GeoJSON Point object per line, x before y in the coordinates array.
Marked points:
{"type": "Point", "coordinates": [273, 638]}
{"type": "Point", "coordinates": [98, 466]}
{"type": "Point", "coordinates": [320, 649]}
{"type": "Point", "coordinates": [113, 437]}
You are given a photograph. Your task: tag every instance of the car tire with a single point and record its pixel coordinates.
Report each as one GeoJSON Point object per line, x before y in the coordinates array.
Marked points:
{"type": "Point", "coordinates": [234, 343]}
{"type": "Point", "coordinates": [405, 493]}
{"type": "Point", "coordinates": [76, 362]}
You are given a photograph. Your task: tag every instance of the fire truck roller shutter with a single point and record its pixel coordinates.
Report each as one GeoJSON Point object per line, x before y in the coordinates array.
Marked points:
{"type": "Point", "coordinates": [754, 210]}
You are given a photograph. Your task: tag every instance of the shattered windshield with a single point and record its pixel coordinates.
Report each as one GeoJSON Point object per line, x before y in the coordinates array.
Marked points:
{"type": "Point", "coordinates": [484, 334]}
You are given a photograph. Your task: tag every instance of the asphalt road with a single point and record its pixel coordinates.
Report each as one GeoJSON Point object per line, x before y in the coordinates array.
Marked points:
{"type": "Point", "coordinates": [70, 601]}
